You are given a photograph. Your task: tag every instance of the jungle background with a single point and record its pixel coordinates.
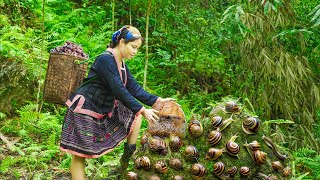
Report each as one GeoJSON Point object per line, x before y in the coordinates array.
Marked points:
{"type": "Point", "coordinates": [265, 53]}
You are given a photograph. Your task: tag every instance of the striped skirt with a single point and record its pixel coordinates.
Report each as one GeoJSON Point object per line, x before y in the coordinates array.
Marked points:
{"type": "Point", "coordinates": [88, 137]}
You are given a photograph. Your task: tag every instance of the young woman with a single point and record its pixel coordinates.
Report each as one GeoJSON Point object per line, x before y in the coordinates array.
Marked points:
{"type": "Point", "coordinates": [106, 108]}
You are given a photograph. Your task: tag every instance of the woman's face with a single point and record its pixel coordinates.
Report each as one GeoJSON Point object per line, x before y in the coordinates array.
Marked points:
{"type": "Point", "coordinates": [130, 49]}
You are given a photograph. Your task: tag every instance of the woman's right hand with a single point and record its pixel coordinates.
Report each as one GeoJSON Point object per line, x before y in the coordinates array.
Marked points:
{"type": "Point", "coordinates": [150, 115]}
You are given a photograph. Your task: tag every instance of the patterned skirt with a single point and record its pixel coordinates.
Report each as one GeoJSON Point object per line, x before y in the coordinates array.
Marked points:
{"type": "Point", "coordinates": [88, 137]}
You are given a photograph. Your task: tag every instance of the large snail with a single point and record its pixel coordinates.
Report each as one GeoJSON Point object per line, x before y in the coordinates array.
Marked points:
{"type": "Point", "coordinates": [191, 153]}
{"type": "Point", "coordinates": [132, 175]}
{"type": "Point", "coordinates": [214, 153]}
{"type": "Point", "coordinates": [195, 128]}
{"type": "Point", "coordinates": [175, 143]}
{"type": "Point", "coordinates": [232, 147]}
{"type": "Point", "coordinates": [198, 171]}
{"type": "Point", "coordinates": [143, 162]}
{"type": "Point", "coordinates": [160, 167]}
{"type": "Point", "coordinates": [175, 164]}
{"type": "Point", "coordinates": [215, 137]}
{"type": "Point", "coordinates": [244, 171]}
{"type": "Point", "coordinates": [267, 177]}
{"type": "Point", "coordinates": [270, 143]}
{"type": "Point", "coordinates": [251, 125]}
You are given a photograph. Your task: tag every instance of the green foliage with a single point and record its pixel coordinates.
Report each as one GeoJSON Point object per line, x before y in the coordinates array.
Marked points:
{"type": "Point", "coordinates": [308, 160]}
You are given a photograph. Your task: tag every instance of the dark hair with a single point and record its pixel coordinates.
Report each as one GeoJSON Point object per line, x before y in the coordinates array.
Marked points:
{"type": "Point", "coordinates": [125, 34]}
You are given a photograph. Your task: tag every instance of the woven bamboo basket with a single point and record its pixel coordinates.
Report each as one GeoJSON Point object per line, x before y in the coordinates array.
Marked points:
{"type": "Point", "coordinates": [64, 74]}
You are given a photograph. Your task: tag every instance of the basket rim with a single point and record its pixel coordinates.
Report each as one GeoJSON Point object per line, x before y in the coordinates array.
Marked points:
{"type": "Point", "coordinates": [67, 54]}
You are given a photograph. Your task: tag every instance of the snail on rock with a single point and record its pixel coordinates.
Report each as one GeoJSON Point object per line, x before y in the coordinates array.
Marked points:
{"type": "Point", "coordinates": [195, 128]}
{"type": "Point", "coordinates": [232, 147]}
{"type": "Point", "coordinates": [198, 171]}
{"type": "Point", "coordinates": [143, 162]}
{"type": "Point", "coordinates": [214, 153]}
{"type": "Point", "coordinates": [214, 137]}
{"type": "Point", "coordinates": [251, 125]}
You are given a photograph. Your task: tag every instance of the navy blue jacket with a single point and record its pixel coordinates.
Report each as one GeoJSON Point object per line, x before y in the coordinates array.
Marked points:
{"type": "Point", "coordinates": [104, 85]}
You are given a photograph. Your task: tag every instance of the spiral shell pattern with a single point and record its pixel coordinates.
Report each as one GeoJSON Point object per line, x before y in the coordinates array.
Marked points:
{"type": "Point", "coordinates": [132, 175]}
{"type": "Point", "coordinates": [191, 153]}
{"type": "Point", "coordinates": [232, 106]}
{"type": "Point", "coordinates": [143, 162]}
{"type": "Point", "coordinates": [254, 145]}
{"type": "Point", "coordinates": [260, 157]}
{"type": "Point", "coordinates": [218, 168]}
{"type": "Point", "coordinates": [157, 144]}
{"type": "Point", "coordinates": [195, 128]}
{"type": "Point", "coordinates": [175, 164]}
{"type": "Point", "coordinates": [214, 153]}
{"type": "Point", "coordinates": [198, 170]}
{"type": "Point", "coordinates": [251, 125]}
{"type": "Point", "coordinates": [216, 121]}
{"type": "Point", "coordinates": [160, 167]}
{"type": "Point", "coordinates": [175, 143]}
{"type": "Point", "coordinates": [244, 171]}
{"type": "Point", "coordinates": [232, 148]}
{"type": "Point", "coordinates": [177, 177]}
{"type": "Point", "coordinates": [286, 171]}
{"type": "Point", "coordinates": [215, 137]}
{"type": "Point", "coordinates": [232, 171]}
{"type": "Point", "coordinates": [276, 165]}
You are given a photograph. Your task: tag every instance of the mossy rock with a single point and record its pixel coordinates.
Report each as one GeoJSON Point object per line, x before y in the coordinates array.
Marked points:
{"type": "Point", "coordinates": [243, 158]}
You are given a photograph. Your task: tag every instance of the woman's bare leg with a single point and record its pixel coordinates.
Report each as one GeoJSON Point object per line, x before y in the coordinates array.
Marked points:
{"type": "Point", "coordinates": [77, 168]}
{"type": "Point", "coordinates": [132, 138]}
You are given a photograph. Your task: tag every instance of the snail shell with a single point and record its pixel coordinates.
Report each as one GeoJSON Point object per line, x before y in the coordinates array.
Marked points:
{"type": "Point", "coordinates": [276, 165]}
{"type": "Point", "coordinates": [191, 153]}
{"type": "Point", "coordinates": [232, 171]}
{"type": "Point", "coordinates": [215, 137]}
{"type": "Point", "coordinates": [286, 171]}
{"type": "Point", "coordinates": [195, 128]}
{"type": "Point", "coordinates": [216, 121]}
{"type": "Point", "coordinates": [175, 164]}
{"type": "Point", "coordinates": [218, 168]}
{"type": "Point", "coordinates": [175, 143]}
{"type": "Point", "coordinates": [251, 125]}
{"type": "Point", "coordinates": [158, 145]}
{"type": "Point", "coordinates": [270, 143]}
{"type": "Point", "coordinates": [267, 177]}
{"type": "Point", "coordinates": [160, 167]}
{"type": "Point", "coordinates": [232, 147]}
{"type": "Point", "coordinates": [254, 145]}
{"type": "Point", "coordinates": [244, 171]}
{"type": "Point", "coordinates": [132, 175]}
{"type": "Point", "coordinates": [154, 177]}
{"type": "Point", "coordinates": [144, 139]}
{"type": "Point", "coordinates": [177, 177]}
{"type": "Point", "coordinates": [198, 171]}
{"type": "Point", "coordinates": [214, 153]}
{"type": "Point", "coordinates": [143, 162]}
{"type": "Point", "coordinates": [232, 107]}
{"type": "Point", "coordinates": [260, 157]}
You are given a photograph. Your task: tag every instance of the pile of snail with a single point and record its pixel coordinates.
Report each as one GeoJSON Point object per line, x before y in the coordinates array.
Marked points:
{"type": "Point", "coordinates": [227, 143]}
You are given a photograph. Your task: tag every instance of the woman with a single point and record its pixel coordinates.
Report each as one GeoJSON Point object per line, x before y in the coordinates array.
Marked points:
{"type": "Point", "coordinates": [105, 109]}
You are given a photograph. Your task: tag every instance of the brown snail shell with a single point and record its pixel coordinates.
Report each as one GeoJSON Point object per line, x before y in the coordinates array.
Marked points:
{"type": "Point", "coordinates": [158, 145]}
{"type": "Point", "coordinates": [216, 121]}
{"type": "Point", "coordinates": [232, 107]}
{"type": "Point", "coordinates": [214, 153]}
{"type": "Point", "coordinates": [251, 125]}
{"type": "Point", "coordinates": [254, 145]}
{"type": "Point", "coordinates": [276, 165]}
{"type": "Point", "coordinates": [218, 168]}
{"type": "Point", "coordinates": [191, 153]}
{"type": "Point", "coordinates": [232, 171]}
{"type": "Point", "coordinates": [154, 177]}
{"type": "Point", "coordinates": [160, 167]}
{"type": "Point", "coordinates": [195, 128]}
{"type": "Point", "coordinates": [198, 171]}
{"type": "Point", "coordinates": [177, 177]}
{"type": "Point", "coordinates": [245, 171]}
{"type": "Point", "coordinates": [232, 148]}
{"type": "Point", "coordinates": [175, 143]}
{"type": "Point", "coordinates": [132, 175]}
{"type": "Point", "coordinates": [175, 164]}
{"type": "Point", "coordinates": [215, 137]}
{"type": "Point", "coordinates": [260, 157]}
{"type": "Point", "coordinates": [143, 162]}
{"type": "Point", "coordinates": [267, 177]}
{"type": "Point", "coordinates": [286, 171]}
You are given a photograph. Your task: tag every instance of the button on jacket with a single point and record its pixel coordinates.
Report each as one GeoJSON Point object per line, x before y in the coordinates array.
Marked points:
{"type": "Point", "coordinates": [105, 83]}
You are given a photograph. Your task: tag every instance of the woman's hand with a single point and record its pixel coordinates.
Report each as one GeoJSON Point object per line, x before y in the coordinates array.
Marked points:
{"type": "Point", "coordinates": [150, 115]}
